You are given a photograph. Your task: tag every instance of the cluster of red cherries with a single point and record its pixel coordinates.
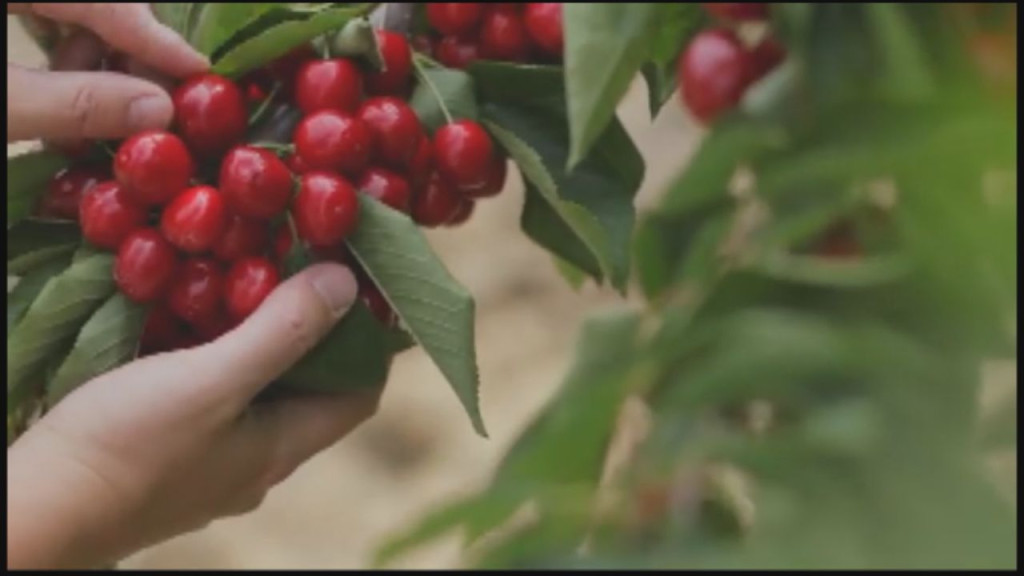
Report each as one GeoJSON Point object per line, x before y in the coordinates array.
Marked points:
{"type": "Point", "coordinates": [203, 254]}
{"type": "Point", "coordinates": [515, 32]}
{"type": "Point", "coordinates": [717, 68]}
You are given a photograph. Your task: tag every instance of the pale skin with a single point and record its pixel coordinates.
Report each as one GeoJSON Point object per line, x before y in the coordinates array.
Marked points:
{"type": "Point", "coordinates": [169, 443]}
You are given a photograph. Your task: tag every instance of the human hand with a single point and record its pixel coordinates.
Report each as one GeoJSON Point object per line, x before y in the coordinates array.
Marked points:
{"type": "Point", "coordinates": [168, 443]}
{"type": "Point", "coordinates": [62, 105]}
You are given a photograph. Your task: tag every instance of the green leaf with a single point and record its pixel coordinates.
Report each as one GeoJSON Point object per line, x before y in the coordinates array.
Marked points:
{"type": "Point", "coordinates": [358, 39]}
{"type": "Point", "coordinates": [54, 318]}
{"type": "Point", "coordinates": [24, 293]}
{"type": "Point", "coordinates": [33, 242]}
{"type": "Point", "coordinates": [551, 229]}
{"type": "Point", "coordinates": [676, 24]}
{"type": "Point", "coordinates": [908, 74]}
{"type": "Point", "coordinates": [436, 310]}
{"type": "Point", "coordinates": [176, 15]}
{"type": "Point", "coordinates": [107, 340]}
{"type": "Point", "coordinates": [605, 44]}
{"type": "Point", "coordinates": [282, 38]}
{"type": "Point", "coordinates": [573, 275]}
{"type": "Point", "coordinates": [27, 177]}
{"type": "Point", "coordinates": [441, 95]}
{"type": "Point", "coordinates": [218, 22]}
{"type": "Point", "coordinates": [661, 84]}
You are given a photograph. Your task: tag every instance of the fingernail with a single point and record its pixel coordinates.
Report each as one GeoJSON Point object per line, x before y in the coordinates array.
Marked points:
{"type": "Point", "coordinates": [335, 285]}
{"type": "Point", "coordinates": [149, 112]}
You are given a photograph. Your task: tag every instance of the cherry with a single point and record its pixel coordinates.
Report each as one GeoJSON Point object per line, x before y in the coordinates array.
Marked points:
{"type": "Point", "coordinates": [153, 166]}
{"type": "Point", "coordinates": [64, 195]}
{"type": "Point", "coordinates": [497, 172]}
{"type": "Point", "coordinates": [255, 183]}
{"type": "Point", "coordinates": [195, 220]}
{"type": "Point", "coordinates": [296, 164]}
{"type": "Point", "coordinates": [161, 330]}
{"type": "Point", "coordinates": [145, 265]}
{"type": "Point", "coordinates": [394, 79]}
{"type": "Point", "coordinates": [209, 113]}
{"type": "Point", "coordinates": [435, 204]}
{"type": "Point", "coordinates": [284, 68]}
{"type": "Point", "coordinates": [107, 217]}
{"type": "Point", "coordinates": [453, 17]}
{"type": "Point", "coordinates": [329, 140]}
{"type": "Point", "coordinates": [463, 213]}
{"type": "Point", "coordinates": [737, 11]}
{"type": "Point", "coordinates": [255, 94]}
{"type": "Point", "coordinates": [196, 292]}
{"type": "Point", "coordinates": [335, 84]}
{"type": "Point", "coordinates": [378, 305]}
{"type": "Point", "coordinates": [215, 325]}
{"type": "Point", "coordinates": [326, 209]}
{"type": "Point", "coordinates": [242, 237]}
{"type": "Point", "coordinates": [503, 37]}
{"type": "Point", "coordinates": [247, 284]}
{"type": "Point", "coordinates": [422, 164]}
{"type": "Point", "coordinates": [282, 243]}
{"type": "Point", "coordinates": [396, 130]}
{"type": "Point", "coordinates": [387, 187]}
{"type": "Point", "coordinates": [764, 57]}
{"type": "Point", "coordinates": [714, 73]}
{"type": "Point", "coordinates": [544, 25]}
{"type": "Point", "coordinates": [463, 154]}
{"type": "Point", "coordinates": [185, 340]}
{"type": "Point", "coordinates": [457, 52]}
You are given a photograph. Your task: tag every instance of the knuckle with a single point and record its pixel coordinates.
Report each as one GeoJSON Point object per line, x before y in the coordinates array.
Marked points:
{"type": "Point", "coordinates": [83, 108]}
{"type": "Point", "coordinates": [301, 327]}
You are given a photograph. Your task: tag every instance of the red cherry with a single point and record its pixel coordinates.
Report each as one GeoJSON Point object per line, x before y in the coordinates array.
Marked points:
{"type": "Point", "coordinates": [435, 204]}
{"type": "Point", "coordinates": [396, 130]}
{"type": "Point", "coordinates": [195, 220]}
{"type": "Point", "coordinates": [145, 265]}
{"type": "Point", "coordinates": [285, 68]}
{"type": "Point", "coordinates": [544, 25]}
{"type": "Point", "coordinates": [463, 154]}
{"type": "Point", "coordinates": [153, 167]}
{"type": "Point", "coordinates": [161, 330]}
{"type": "Point", "coordinates": [329, 140]}
{"type": "Point", "coordinates": [242, 237]}
{"type": "Point", "coordinates": [387, 187]}
{"type": "Point", "coordinates": [503, 37]}
{"type": "Point", "coordinates": [378, 305]}
{"type": "Point", "coordinates": [282, 243]}
{"type": "Point", "coordinates": [422, 164]}
{"type": "Point", "coordinates": [215, 325]}
{"type": "Point", "coordinates": [453, 17]}
{"type": "Point", "coordinates": [64, 195]}
{"type": "Point", "coordinates": [247, 284]}
{"type": "Point", "coordinates": [335, 84]}
{"type": "Point", "coordinates": [209, 113]}
{"type": "Point", "coordinates": [185, 340]}
{"type": "Point", "coordinates": [107, 217]}
{"type": "Point", "coordinates": [296, 164]}
{"type": "Point", "coordinates": [196, 291]}
{"type": "Point", "coordinates": [255, 183]}
{"type": "Point", "coordinates": [714, 73]}
{"type": "Point", "coordinates": [506, 7]}
{"type": "Point", "coordinates": [764, 57]}
{"type": "Point", "coordinates": [463, 213]}
{"type": "Point", "coordinates": [457, 52]}
{"type": "Point", "coordinates": [737, 11]}
{"type": "Point", "coordinates": [326, 210]}
{"type": "Point", "coordinates": [496, 174]}
{"type": "Point", "coordinates": [394, 79]}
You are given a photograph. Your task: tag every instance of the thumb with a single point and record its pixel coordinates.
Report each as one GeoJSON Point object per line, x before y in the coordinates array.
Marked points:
{"type": "Point", "coordinates": [289, 323]}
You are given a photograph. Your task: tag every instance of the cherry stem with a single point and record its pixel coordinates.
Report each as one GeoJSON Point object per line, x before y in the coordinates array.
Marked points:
{"type": "Point", "coordinates": [261, 111]}
{"type": "Point", "coordinates": [275, 147]}
{"type": "Point", "coordinates": [433, 89]}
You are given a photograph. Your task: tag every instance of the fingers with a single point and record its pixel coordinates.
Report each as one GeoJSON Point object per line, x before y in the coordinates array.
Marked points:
{"type": "Point", "coordinates": [289, 323]}
{"type": "Point", "coordinates": [69, 105]}
{"type": "Point", "coordinates": [131, 28]}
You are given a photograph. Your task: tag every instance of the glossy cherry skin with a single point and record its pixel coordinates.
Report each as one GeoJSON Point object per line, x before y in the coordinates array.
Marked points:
{"type": "Point", "coordinates": [387, 187]}
{"type": "Point", "coordinates": [107, 216]}
{"type": "Point", "coordinates": [282, 243]}
{"type": "Point", "coordinates": [378, 305]}
{"type": "Point", "coordinates": [161, 330]}
{"type": "Point", "coordinates": [462, 214]}
{"type": "Point", "coordinates": [210, 114]}
{"type": "Point", "coordinates": [422, 164]}
{"type": "Point", "coordinates": [295, 164]}
{"type": "Point", "coordinates": [329, 140]}
{"type": "Point", "coordinates": [194, 221]}
{"type": "Point", "coordinates": [145, 265]}
{"type": "Point", "coordinates": [543, 22]}
{"type": "Point", "coordinates": [737, 11]}
{"type": "Point", "coordinates": [457, 51]}
{"type": "Point", "coordinates": [435, 204]}
{"type": "Point", "coordinates": [247, 285]}
{"type": "Point", "coordinates": [764, 57]}
{"type": "Point", "coordinates": [197, 290]}
{"type": "Point", "coordinates": [242, 237]}
{"type": "Point", "coordinates": [64, 195]}
{"type": "Point", "coordinates": [326, 209]}
{"type": "Point", "coordinates": [454, 17]}
{"type": "Point", "coordinates": [395, 128]}
{"type": "Point", "coordinates": [463, 153]}
{"type": "Point", "coordinates": [496, 175]}
{"type": "Point", "coordinates": [335, 84]}
{"type": "Point", "coordinates": [503, 37]}
{"type": "Point", "coordinates": [394, 79]}
{"type": "Point", "coordinates": [255, 183]}
{"type": "Point", "coordinates": [153, 167]}
{"type": "Point", "coordinates": [714, 72]}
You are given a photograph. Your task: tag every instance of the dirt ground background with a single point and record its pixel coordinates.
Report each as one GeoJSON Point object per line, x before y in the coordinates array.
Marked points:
{"type": "Point", "coordinates": [420, 451]}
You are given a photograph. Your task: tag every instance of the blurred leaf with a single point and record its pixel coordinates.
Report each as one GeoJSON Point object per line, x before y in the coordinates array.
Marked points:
{"type": "Point", "coordinates": [108, 339]}
{"type": "Point", "coordinates": [438, 312]}
{"type": "Point", "coordinates": [857, 273]}
{"type": "Point", "coordinates": [907, 67]}
{"type": "Point", "coordinates": [573, 275]}
{"type": "Point", "coordinates": [552, 230]}
{"type": "Point", "coordinates": [217, 22]}
{"type": "Point", "coordinates": [676, 23]}
{"type": "Point", "coordinates": [28, 287]}
{"type": "Point", "coordinates": [31, 243]}
{"type": "Point", "coordinates": [605, 44]}
{"type": "Point", "coordinates": [441, 94]}
{"type": "Point", "coordinates": [661, 84]}
{"type": "Point", "coordinates": [27, 178]}
{"type": "Point", "coordinates": [357, 39]}
{"type": "Point", "coordinates": [176, 15]}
